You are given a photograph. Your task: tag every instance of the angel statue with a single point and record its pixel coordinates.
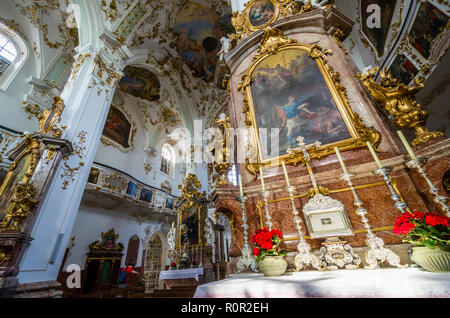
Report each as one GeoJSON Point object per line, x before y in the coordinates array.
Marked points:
{"type": "Point", "coordinates": [317, 4]}
{"type": "Point", "coordinates": [171, 236]}
{"type": "Point", "coordinates": [225, 41]}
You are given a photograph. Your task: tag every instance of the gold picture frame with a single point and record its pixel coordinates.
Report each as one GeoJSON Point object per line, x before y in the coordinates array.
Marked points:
{"type": "Point", "coordinates": [272, 43]}
{"type": "Point", "coordinates": [250, 9]}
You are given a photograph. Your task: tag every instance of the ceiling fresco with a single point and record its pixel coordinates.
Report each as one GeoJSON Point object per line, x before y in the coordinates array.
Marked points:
{"type": "Point", "coordinates": [198, 30]}
{"type": "Point", "coordinates": [141, 83]}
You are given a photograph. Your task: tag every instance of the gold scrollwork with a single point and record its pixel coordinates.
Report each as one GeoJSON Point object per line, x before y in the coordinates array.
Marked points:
{"type": "Point", "coordinates": [68, 172]}
{"type": "Point", "coordinates": [398, 100]}
{"type": "Point", "coordinates": [222, 152]}
{"type": "Point", "coordinates": [21, 205]}
{"type": "Point", "coordinates": [273, 42]}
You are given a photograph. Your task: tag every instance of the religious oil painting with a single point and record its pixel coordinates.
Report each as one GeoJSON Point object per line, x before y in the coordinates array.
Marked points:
{"type": "Point", "coordinates": [403, 69]}
{"type": "Point", "coordinates": [117, 127]}
{"type": "Point", "coordinates": [132, 189]}
{"type": "Point", "coordinates": [261, 13]}
{"type": "Point", "coordinates": [198, 31]}
{"type": "Point", "coordinates": [430, 21]}
{"type": "Point", "coordinates": [169, 203]}
{"type": "Point", "coordinates": [141, 83]}
{"type": "Point", "coordinates": [189, 226]}
{"type": "Point", "coordinates": [290, 96]}
{"type": "Point", "coordinates": [93, 175]}
{"type": "Point", "coordinates": [377, 35]}
{"type": "Point", "coordinates": [146, 195]}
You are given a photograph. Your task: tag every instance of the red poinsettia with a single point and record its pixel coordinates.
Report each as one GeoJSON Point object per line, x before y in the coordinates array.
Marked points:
{"type": "Point", "coordinates": [424, 229]}
{"type": "Point", "coordinates": [266, 243]}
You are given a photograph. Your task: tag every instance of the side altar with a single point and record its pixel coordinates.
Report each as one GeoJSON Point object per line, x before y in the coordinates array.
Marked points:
{"type": "Point", "coordinates": [189, 252]}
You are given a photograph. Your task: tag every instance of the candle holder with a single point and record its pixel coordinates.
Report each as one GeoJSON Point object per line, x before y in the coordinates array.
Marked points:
{"type": "Point", "coordinates": [376, 251]}
{"type": "Point", "coordinates": [419, 164]}
{"type": "Point", "coordinates": [304, 256]}
{"type": "Point", "coordinates": [246, 260]}
{"type": "Point", "coordinates": [268, 222]}
{"type": "Point", "coordinates": [384, 172]}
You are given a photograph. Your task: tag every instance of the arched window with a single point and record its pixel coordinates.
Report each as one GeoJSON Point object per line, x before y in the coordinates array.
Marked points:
{"type": "Point", "coordinates": [8, 53]}
{"type": "Point", "coordinates": [167, 159]}
{"type": "Point", "coordinates": [232, 176]}
{"type": "Point", "coordinates": [13, 53]}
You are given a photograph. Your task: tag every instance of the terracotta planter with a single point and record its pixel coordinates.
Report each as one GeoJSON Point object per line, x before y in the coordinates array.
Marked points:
{"type": "Point", "coordinates": [273, 266]}
{"type": "Point", "coordinates": [432, 259]}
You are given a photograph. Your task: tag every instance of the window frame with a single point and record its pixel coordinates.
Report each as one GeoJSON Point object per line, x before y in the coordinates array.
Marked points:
{"type": "Point", "coordinates": [22, 51]}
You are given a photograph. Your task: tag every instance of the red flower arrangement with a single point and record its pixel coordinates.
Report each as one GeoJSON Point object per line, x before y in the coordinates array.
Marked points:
{"type": "Point", "coordinates": [172, 265]}
{"type": "Point", "coordinates": [424, 229]}
{"type": "Point", "coordinates": [265, 243]}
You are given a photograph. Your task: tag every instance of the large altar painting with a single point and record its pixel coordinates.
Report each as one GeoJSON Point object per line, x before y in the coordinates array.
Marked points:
{"type": "Point", "coordinates": [289, 93]}
{"type": "Point", "coordinates": [117, 127]}
{"type": "Point", "coordinates": [189, 226]}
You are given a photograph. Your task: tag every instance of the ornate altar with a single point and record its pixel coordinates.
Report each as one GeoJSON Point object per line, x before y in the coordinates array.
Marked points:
{"type": "Point", "coordinates": [191, 249]}
{"type": "Point", "coordinates": [35, 160]}
{"type": "Point", "coordinates": [290, 71]}
{"type": "Point", "coordinates": [103, 263]}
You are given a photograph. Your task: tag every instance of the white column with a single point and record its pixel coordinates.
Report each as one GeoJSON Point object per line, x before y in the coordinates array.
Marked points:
{"type": "Point", "coordinates": [87, 98]}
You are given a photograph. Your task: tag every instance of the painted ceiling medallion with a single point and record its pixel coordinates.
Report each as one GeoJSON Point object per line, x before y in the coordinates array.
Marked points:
{"type": "Point", "coordinates": [141, 83]}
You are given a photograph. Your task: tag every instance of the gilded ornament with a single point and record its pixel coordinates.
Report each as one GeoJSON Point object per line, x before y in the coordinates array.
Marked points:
{"type": "Point", "coordinates": [50, 119]}
{"type": "Point", "coordinates": [20, 208]}
{"type": "Point", "coordinates": [339, 36]}
{"type": "Point", "coordinates": [398, 100]}
{"type": "Point", "coordinates": [4, 257]}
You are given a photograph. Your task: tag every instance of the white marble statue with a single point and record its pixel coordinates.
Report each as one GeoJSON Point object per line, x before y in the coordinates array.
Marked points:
{"type": "Point", "coordinates": [316, 3]}
{"type": "Point", "coordinates": [225, 41]}
{"type": "Point", "coordinates": [171, 236]}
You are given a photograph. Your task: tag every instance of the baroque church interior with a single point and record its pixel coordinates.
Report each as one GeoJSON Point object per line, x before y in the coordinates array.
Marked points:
{"type": "Point", "coordinates": [210, 145]}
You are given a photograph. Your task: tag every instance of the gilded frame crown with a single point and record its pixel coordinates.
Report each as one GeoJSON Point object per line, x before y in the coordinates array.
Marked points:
{"type": "Point", "coordinates": [273, 42]}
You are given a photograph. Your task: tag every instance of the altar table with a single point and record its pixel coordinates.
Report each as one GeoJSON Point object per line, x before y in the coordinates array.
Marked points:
{"type": "Point", "coordinates": [359, 283]}
{"type": "Point", "coordinates": [181, 277]}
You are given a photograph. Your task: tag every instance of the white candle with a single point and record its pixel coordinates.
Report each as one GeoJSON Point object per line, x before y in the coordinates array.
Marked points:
{"type": "Point", "coordinates": [407, 146]}
{"type": "Point", "coordinates": [286, 174]}
{"type": "Point", "coordinates": [340, 160]}
{"type": "Point", "coordinates": [374, 155]}
{"type": "Point", "coordinates": [262, 179]}
{"type": "Point", "coordinates": [240, 186]}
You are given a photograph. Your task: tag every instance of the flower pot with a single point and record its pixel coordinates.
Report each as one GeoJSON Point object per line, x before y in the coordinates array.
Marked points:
{"type": "Point", "coordinates": [273, 266]}
{"type": "Point", "coordinates": [432, 259]}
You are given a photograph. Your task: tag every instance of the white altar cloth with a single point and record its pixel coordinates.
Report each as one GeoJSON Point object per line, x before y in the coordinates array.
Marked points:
{"type": "Point", "coordinates": [181, 273]}
{"type": "Point", "coordinates": [359, 283]}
